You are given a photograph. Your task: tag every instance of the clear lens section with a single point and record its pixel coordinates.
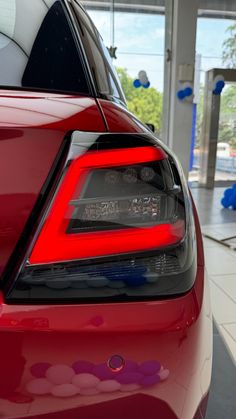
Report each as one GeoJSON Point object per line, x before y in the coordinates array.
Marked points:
{"type": "Point", "coordinates": [130, 212]}
{"type": "Point", "coordinates": [132, 196]}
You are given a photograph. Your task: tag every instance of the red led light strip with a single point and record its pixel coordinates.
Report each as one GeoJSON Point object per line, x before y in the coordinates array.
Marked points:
{"type": "Point", "coordinates": [55, 245]}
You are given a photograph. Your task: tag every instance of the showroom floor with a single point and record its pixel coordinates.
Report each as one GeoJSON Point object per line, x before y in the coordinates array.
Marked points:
{"type": "Point", "coordinates": [220, 261]}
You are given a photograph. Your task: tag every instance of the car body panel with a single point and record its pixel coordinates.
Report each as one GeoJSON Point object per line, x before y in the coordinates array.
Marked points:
{"type": "Point", "coordinates": [32, 129]}
{"type": "Point", "coordinates": [21, 109]}
{"type": "Point", "coordinates": [176, 332]}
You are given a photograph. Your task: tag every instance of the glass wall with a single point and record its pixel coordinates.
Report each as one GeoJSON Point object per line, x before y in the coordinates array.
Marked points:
{"type": "Point", "coordinates": [216, 40]}
{"type": "Point", "coordinates": [135, 36]}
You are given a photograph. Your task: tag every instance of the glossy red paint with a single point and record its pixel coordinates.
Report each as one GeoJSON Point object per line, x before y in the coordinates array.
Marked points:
{"type": "Point", "coordinates": [139, 406]}
{"type": "Point", "coordinates": [177, 332]}
{"type": "Point", "coordinates": [64, 113]}
{"type": "Point", "coordinates": [55, 244]}
{"type": "Point", "coordinates": [32, 128]}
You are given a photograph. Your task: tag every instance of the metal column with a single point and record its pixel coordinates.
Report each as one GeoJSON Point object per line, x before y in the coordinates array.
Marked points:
{"type": "Point", "coordinates": [181, 22]}
{"type": "Point", "coordinates": [210, 126]}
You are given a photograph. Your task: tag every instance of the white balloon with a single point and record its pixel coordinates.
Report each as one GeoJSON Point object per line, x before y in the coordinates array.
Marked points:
{"type": "Point", "coordinates": [64, 390]}
{"type": "Point", "coordinates": [39, 386]}
{"type": "Point", "coordinates": [143, 78]}
{"type": "Point", "coordinates": [151, 277]}
{"type": "Point", "coordinates": [79, 284]}
{"type": "Point", "coordinates": [109, 386]}
{"type": "Point", "coordinates": [130, 387]}
{"type": "Point", "coordinates": [164, 374]}
{"type": "Point", "coordinates": [85, 380]}
{"type": "Point", "coordinates": [116, 284]}
{"type": "Point", "coordinates": [89, 391]}
{"type": "Point", "coordinates": [58, 284]}
{"type": "Point", "coordinates": [60, 374]}
{"type": "Point", "coordinates": [99, 281]}
{"type": "Point", "coordinates": [219, 78]}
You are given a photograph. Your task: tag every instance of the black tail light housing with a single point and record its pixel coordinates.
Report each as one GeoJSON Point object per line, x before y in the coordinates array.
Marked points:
{"type": "Point", "coordinates": [119, 226]}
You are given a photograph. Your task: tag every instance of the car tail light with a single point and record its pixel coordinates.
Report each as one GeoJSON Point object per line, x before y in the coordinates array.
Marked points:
{"type": "Point", "coordinates": [118, 226]}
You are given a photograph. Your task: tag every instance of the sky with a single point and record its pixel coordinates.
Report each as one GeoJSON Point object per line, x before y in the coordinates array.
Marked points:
{"type": "Point", "coordinates": [139, 39]}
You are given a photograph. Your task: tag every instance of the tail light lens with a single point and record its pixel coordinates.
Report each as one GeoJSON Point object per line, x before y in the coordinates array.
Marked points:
{"type": "Point", "coordinates": [118, 226]}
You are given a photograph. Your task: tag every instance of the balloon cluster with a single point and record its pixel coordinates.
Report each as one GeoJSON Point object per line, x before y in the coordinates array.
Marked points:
{"type": "Point", "coordinates": [229, 198]}
{"type": "Point", "coordinates": [142, 80]}
{"type": "Point", "coordinates": [87, 379]}
{"type": "Point", "coordinates": [218, 85]}
{"type": "Point", "coordinates": [185, 92]}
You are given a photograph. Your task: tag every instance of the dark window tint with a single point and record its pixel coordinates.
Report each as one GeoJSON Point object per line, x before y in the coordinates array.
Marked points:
{"type": "Point", "coordinates": [38, 49]}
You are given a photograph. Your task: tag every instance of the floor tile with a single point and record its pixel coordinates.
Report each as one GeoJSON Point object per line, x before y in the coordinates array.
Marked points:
{"type": "Point", "coordinates": [230, 342]}
{"type": "Point", "coordinates": [223, 308]}
{"type": "Point", "coordinates": [219, 261]}
{"type": "Point", "coordinates": [212, 231]}
{"type": "Point", "coordinates": [231, 329]}
{"type": "Point", "coordinates": [209, 207]}
{"type": "Point", "coordinates": [209, 243]}
{"type": "Point", "coordinates": [227, 283]}
{"type": "Point", "coordinates": [222, 401]}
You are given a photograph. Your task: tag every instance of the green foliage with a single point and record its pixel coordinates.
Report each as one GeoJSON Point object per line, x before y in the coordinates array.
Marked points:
{"type": "Point", "coordinates": [228, 100]}
{"type": "Point", "coordinates": [227, 123]}
{"type": "Point", "coordinates": [227, 126]}
{"type": "Point", "coordinates": [227, 134]}
{"type": "Point", "coordinates": [229, 47]}
{"type": "Point", "coordinates": [146, 104]}
{"type": "Point", "coordinates": [199, 117]}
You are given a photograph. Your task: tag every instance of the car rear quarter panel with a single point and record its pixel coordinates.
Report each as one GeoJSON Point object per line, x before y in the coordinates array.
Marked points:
{"type": "Point", "coordinates": [32, 129]}
{"type": "Point", "coordinates": [176, 332]}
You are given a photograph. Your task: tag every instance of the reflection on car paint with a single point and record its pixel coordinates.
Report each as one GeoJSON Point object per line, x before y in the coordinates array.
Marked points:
{"type": "Point", "coordinates": [86, 378]}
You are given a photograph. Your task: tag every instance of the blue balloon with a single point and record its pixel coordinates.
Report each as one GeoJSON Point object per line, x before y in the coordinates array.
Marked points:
{"type": "Point", "coordinates": [135, 281]}
{"type": "Point", "coordinates": [146, 85]}
{"type": "Point", "coordinates": [181, 94]}
{"type": "Point", "coordinates": [225, 203]}
{"type": "Point", "coordinates": [137, 83]}
{"type": "Point", "coordinates": [227, 193]}
{"type": "Point", "coordinates": [217, 91]}
{"type": "Point", "coordinates": [229, 199]}
{"type": "Point", "coordinates": [188, 91]}
{"type": "Point", "coordinates": [220, 84]}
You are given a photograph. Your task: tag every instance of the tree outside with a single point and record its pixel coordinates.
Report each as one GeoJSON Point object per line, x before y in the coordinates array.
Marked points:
{"type": "Point", "coordinates": [229, 47]}
{"type": "Point", "coordinates": [146, 104]}
{"type": "Point", "coordinates": [227, 124]}
{"type": "Point", "coordinates": [227, 129]}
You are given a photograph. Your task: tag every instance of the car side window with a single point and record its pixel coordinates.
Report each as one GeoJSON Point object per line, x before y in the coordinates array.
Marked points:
{"type": "Point", "coordinates": [38, 49]}
{"type": "Point", "coordinates": [100, 62]}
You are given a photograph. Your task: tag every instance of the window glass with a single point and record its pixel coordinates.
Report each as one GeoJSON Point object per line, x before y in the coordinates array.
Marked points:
{"type": "Point", "coordinates": [37, 47]}
{"type": "Point", "coordinates": [100, 61]}
{"type": "Point", "coordinates": [134, 33]}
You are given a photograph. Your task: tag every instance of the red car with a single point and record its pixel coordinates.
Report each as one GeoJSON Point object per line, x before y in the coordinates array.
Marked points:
{"type": "Point", "coordinates": [104, 306]}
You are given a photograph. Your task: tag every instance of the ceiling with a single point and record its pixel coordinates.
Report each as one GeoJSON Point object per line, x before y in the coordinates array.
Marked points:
{"type": "Point", "coordinates": [207, 8]}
